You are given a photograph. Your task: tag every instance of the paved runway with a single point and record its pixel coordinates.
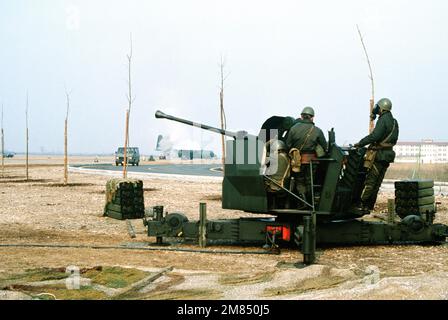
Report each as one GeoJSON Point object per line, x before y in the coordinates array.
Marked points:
{"type": "Point", "coordinates": [210, 170]}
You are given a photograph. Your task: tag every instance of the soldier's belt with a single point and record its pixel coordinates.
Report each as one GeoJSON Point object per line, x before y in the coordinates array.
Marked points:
{"type": "Point", "coordinates": [376, 148]}
{"type": "Point", "coordinates": [308, 157]}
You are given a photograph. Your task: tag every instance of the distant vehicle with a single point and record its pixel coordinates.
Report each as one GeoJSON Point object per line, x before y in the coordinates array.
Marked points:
{"type": "Point", "coordinates": [132, 153]}
{"type": "Point", "coordinates": [8, 154]}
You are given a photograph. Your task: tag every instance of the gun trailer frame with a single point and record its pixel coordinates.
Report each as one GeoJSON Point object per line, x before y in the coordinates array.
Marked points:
{"type": "Point", "coordinates": [302, 231]}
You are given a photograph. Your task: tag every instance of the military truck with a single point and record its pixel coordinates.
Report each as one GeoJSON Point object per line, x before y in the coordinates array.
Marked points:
{"type": "Point", "coordinates": [132, 153]}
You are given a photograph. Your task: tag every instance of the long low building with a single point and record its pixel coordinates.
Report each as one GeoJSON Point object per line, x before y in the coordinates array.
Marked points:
{"type": "Point", "coordinates": [425, 151]}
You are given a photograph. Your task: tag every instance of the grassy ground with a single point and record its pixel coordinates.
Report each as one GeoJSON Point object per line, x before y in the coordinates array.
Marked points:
{"type": "Point", "coordinates": [400, 171]}
{"type": "Point", "coordinates": [44, 283]}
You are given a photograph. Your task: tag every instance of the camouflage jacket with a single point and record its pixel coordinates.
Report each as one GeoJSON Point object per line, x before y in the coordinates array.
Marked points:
{"type": "Point", "coordinates": [297, 134]}
{"type": "Point", "coordinates": [383, 129]}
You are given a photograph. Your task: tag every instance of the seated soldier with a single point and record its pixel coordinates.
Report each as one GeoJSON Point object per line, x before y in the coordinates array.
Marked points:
{"type": "Point", "coordinates": [305, 143]}
{"type": "Point", "coordinates": [277, 165]}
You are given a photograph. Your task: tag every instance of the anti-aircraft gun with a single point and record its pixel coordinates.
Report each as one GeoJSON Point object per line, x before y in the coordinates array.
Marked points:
{"type": "Point", "coordinates": [329, 218]}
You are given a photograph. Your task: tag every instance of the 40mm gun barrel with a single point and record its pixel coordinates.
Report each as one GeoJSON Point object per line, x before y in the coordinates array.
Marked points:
{"type": "Point", "coordinates": [240, 134]}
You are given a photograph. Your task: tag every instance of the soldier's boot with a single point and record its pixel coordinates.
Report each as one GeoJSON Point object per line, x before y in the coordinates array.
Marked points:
{"type": "Point", "coordinates": [361, 209]}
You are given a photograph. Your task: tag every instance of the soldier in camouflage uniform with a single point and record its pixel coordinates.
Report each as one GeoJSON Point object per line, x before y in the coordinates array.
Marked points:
{"type": "Point", "coordinates": [381, 142]}
{"type": "Point", "coordinates": [278, 167]}
{"type": "Point", "coordinates": [306, 137]}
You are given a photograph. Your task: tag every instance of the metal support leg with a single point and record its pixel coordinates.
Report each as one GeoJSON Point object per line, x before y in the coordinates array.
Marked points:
{"type": "Point", "coordinates": [309, 229]}
{"type": "Point", "coordinates": [202, 224]}
{"type": "Point", "coordinates": [391, 211]}
{"type": "Point", "coordinates": [309, 241]}
{"type": "Point", "coordinates": [158, 210]}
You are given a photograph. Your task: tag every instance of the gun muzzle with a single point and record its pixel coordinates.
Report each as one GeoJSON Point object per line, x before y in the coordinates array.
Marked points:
{"type": "Point", "coordinates": [160, 114]}
{"type": "Point", "coordinates": [240, 134]}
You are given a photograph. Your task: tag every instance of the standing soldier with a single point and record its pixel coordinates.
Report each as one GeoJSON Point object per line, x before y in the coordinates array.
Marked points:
{"type": "Point", "coordinates": [305, 143]}
{"type": "Point", "coordinates": [380, 152]}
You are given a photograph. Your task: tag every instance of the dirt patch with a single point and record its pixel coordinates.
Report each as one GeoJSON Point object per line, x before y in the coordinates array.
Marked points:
{"type": "Point", "coordinates": [60, 292]}
{"type": "Point", "coordinates": [36, 165]}
{"type": "Point", "coordinates": [12, 177]}
{"type": "Point", "coordinates": [34, 213]}
{"type": "Point", "coordinates": [245, 279]}
{"type": "Point", "coordinates": [401, 171]}
{"type": "Point", "coordinates": [62, 185]}
{"type": "Point", "coordinates": [32, 275]}
{"type": "Point", "coordinates": [192, 294]}
{"type": "Point", "coordinates": [324, 281]}
{"type": "Point", "coordinates": [103, 192]}
{"type": "Point", "coordinates": [173, 280]}
{"type": "Point", "coordinates": [24, 181]}
{"type": "Point", "coordinates": [216, 197]}
{"type": "Point", "coordinates": [115, 277]}
{"type": "Point", "coordinates": [53, 282]}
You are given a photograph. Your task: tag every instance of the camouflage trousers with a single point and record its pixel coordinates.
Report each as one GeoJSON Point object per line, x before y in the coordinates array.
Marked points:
{"type": "Point", "coordinates": [374, 178]}
{"type": "Point", "coordinates": [303, 181]}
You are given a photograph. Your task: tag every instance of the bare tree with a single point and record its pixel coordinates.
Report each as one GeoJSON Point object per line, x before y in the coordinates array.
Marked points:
{"type": "Point", "coordinates": [67, 95]}
{"type": "Point", "coordinates": [27, 139]}
{"type": "Point", "coordinates": [372, 99]}
{"type": "Point", "coordinates": [126, 142]}
{"type": "Point", "coordinates": [221, 108]}
{"type": "Point", "coordinates": [128, 112]}
{"type": "Point", "coordinates": [3, 147]}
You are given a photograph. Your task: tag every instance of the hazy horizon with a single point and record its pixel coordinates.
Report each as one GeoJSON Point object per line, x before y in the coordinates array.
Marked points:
{"type": "Point", "coordinates": [280, 57]}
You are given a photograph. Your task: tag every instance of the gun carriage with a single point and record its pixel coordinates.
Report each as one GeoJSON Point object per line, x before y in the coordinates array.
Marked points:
{"type": "Point", "coordinates": [330, 218]}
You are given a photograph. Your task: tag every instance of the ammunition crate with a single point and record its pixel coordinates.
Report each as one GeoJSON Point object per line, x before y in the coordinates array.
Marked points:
{"type": "Point", "coordinates": [414, 197]}
{"type": "Point", "coordinates": [124, 199]}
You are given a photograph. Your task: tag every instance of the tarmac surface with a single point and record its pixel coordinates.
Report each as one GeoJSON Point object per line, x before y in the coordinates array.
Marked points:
{"type": "Point", "coordinates": [197, 170]}
{"type": "Point", "coordinates": [209, 170]}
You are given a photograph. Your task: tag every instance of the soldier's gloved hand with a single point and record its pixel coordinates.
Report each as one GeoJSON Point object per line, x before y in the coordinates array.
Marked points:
{"type": "Point", "coordinates": [357, 146]}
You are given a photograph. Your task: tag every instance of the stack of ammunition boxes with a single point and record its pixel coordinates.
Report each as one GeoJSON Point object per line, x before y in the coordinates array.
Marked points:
{"type": "Point", "coordinates": [124, 199]}
{"type": "Point", "coordinates": [414, 197]}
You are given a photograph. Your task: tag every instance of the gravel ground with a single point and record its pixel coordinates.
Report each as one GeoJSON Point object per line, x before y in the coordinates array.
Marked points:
{"type": "Point", "coordinates": [43, 211]}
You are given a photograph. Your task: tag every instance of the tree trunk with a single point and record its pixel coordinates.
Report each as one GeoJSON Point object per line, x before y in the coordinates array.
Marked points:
{"type": "Point", "coordinates": [3, 154]}
{"type": "Point", "coordinates": [65, 154]}
{"type": "Point", "coordinates": [27, 138]}
{"type": "Point", "coordinates": [27, 160]}
{"type": "Point", "coordinates": [3, 147]}
{"type": "Point", "coordinates": [372, 99]}
{"type": "Point", "coordinates": [126, 134]}
{"type": "Point", "coordinates": [223, 145]}
{"type": "Point", "coordinates": [372, 122]}
{"type": "Point", "coordinates": [223, 116]}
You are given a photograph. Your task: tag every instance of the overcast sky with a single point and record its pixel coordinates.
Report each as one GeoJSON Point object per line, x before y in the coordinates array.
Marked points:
{"type": "Point", "coordinates": [280, 56]}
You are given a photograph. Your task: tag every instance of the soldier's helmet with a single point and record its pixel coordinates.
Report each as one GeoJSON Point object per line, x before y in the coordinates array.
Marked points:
{"type": "Point", "coordinates": [277, 146]}
{"type": "Point", "coordinates": [384, 104]}
{"type": "Point", "coordinates": [308, 110]}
